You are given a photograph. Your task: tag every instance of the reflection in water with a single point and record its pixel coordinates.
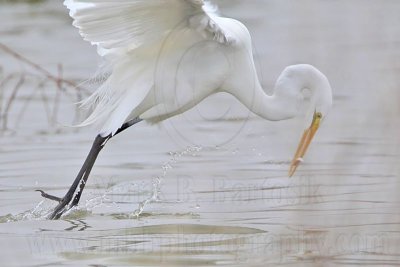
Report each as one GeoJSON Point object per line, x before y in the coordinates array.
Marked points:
{"type": "Point", "coordinates": [169, 244]}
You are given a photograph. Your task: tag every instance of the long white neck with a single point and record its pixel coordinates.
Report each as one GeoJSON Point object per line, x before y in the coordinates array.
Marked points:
{"type": "Point", "coordinates": [269, 107]}
{"type": "Point", "coordinates": [285, 101]}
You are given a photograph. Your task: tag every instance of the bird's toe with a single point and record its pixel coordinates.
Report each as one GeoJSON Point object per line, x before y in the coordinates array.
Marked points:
{"type": "Point", "coordinates": [51, 197]}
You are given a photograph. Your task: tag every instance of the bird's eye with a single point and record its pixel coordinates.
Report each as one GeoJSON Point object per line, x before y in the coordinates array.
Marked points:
{"type": "Point", "coordinates": [318, 115]}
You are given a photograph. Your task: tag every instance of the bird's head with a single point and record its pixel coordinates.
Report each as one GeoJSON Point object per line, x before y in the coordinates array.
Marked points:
{"type": "Point", "coordinates": [300, 83]}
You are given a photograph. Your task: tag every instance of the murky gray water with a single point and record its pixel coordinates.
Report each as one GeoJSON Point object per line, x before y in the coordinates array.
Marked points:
{"type": "Point", "coordinates": [210, 187]}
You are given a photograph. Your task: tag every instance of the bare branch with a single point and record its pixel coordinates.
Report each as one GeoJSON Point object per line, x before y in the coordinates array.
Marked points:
{"type": "Point", "coordinates": [37, 67]}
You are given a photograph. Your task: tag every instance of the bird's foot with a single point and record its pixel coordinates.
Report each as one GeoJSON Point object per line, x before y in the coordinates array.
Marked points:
{"type": "Point", "coordinates": [62, 204]}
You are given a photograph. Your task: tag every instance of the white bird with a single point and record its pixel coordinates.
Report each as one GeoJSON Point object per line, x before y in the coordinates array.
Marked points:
{"type": "Point", "coordinates": [166, 56]}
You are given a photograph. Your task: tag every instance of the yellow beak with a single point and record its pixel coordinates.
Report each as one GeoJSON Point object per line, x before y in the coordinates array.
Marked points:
{"type": "Point", "coordinates": [305, 142]}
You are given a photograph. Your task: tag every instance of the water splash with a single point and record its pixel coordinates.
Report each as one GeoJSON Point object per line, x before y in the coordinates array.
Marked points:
{"type": "Point", "coordinates": [166, 167]}
{"type": "Point", "coordinates": [44, 208]}
{"type": "Point", "coordinates": [39, 212]}
{"type": "Point", "coordinates": [153, 198]}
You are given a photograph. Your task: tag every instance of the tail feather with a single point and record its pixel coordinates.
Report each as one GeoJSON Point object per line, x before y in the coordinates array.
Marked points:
{"type": "Point", "coordinates": [117, 97]}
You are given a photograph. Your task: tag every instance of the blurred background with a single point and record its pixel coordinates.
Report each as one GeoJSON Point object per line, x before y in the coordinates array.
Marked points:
{"type": "Point", "coordinates": [209, 187]}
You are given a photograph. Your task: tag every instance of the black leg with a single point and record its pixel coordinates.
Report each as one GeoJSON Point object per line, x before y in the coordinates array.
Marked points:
{"type": "Point", "coordinates": [84, 179]}
{"type": "Point", "coordinates": [128, 124]}
{"type": "Point", "coordinates": [83, 174]}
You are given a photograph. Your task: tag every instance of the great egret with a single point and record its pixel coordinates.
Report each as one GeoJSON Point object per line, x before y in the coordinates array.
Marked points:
{"type": "Point", "coordinates": [158, 50]}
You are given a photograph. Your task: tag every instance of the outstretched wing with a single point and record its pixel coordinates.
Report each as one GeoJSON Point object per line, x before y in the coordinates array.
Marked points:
{"type": "Point", "coordinates": [129, 24]}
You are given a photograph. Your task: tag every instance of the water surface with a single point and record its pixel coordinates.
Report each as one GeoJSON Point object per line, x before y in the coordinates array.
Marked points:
{"type": "Point", "coordinates": [210, 187]}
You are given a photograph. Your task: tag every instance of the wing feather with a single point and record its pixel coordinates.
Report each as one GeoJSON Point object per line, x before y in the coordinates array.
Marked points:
{"type": "Point", "coordinates": [128, 34]}
{"type": "Point", "coordinates": [129, 24]}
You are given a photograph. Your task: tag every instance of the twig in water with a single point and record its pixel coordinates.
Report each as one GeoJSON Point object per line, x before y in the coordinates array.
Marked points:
{"type": "Point", "coordinates": [37, 67]}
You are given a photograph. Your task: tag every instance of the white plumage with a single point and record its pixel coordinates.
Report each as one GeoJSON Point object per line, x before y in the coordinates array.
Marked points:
{"type": "Point", "coordinates": [130, 34]}
{"type": "Point", "coordinates": [168, 55]}
{"type": "Point", "coordinates": [165, 57]}
{"type": "Point", "coordinates": [129, 24]}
